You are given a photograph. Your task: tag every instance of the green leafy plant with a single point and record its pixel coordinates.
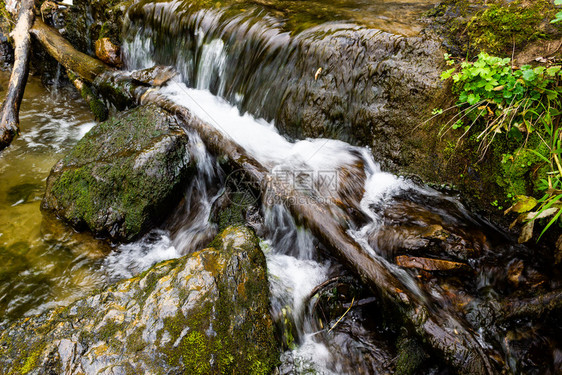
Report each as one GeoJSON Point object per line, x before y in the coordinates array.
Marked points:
{"type": "Point", "coordinates": [497, 98]}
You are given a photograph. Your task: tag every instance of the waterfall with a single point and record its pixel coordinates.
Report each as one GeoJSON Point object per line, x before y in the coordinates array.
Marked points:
{"type": "Point", "coordinates": [215, 92]}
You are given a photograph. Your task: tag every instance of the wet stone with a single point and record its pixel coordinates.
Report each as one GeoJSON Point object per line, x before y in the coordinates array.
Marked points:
{"type": "Point", "coordinates": [155, 76]}
{"type": "Point", "coordinates": [123, 177]}
{"type": "Point", "coordinates": [108, 52]}
{"type": "Point", "coordinates": [206, 313]}
{"type": "Point", "coordinates": [411, 228]}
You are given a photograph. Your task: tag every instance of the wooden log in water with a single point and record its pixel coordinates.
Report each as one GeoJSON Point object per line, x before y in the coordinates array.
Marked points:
{"type": "Point", "coordinates": [430, 264]}
{"type": "Point", "coordinates": [85, 66]}
{"type": "Point", "coordinates": [9, 120]}
{"type": "Point", "coordinates": [97, 107]}
{"type": "Point", "coordinates": [437, 327]}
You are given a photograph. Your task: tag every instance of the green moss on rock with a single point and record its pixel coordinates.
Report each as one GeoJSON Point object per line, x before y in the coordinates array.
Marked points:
{"type": "Point", "coordinates": [494, 26]}
{"type": "Point", "coordinates": [206, 313]}
{"type": "Point", "coordinates": [503, 25]}
{"type": "Point", "coordinates": [123, 177]}
{"type": "Point", "coordinates": [89, 20]}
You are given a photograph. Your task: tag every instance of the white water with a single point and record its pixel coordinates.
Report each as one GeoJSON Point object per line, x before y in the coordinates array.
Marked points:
{"type": "Point", "coordinates": [195, 231]}
{"type": "Point", "coordinates": [315, 166]}
{"type": "Point", "coordinates": [294, 267]}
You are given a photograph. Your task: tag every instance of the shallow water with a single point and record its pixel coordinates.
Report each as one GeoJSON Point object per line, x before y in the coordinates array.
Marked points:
{"type": "Point", "coordinates": [42, 262]}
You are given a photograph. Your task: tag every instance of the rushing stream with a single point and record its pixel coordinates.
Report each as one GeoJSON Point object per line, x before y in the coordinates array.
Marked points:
{"type": "Point", "coordinates": [234, 72]}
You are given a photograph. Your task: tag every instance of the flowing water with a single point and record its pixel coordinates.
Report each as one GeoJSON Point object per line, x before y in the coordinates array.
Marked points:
{"type": "Point", "coordinates": [234, 81]}
{"type": "Point", "coordinates": [223, 63]}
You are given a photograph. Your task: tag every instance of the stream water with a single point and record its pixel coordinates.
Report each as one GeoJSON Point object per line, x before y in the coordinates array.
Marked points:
{"type": "Point", "coordinates": [222, 70]}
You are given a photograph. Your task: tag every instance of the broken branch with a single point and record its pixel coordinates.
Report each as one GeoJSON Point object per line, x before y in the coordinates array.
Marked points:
{"type": "Point", "coordinates": [9, 122]}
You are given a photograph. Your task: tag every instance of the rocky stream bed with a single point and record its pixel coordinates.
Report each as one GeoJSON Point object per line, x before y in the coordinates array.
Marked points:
{"type": "Point", "coordinates": [138, 245]}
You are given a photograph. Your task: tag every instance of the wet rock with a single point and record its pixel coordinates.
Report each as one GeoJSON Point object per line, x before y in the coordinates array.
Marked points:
{"type": "Point", "coordinates": [409, 227]}
{"type": "Point", "coordinates": [108, 52]}
{"type": "Point", "coordinates": [123, 177]}
{"type": "Point", "coordinates": [515, 271]}
{"type": "Point", "coordinates": [47, 10]}
{"type": "Point", "coordinates": [415, 229]}
{"type": "Point", "coordinates": [89, 20]}
{"type": "Point", "coordinates": [155, 76]}
{"type": "Point", "coordinates": [206, 313]}
{"type": "Point", "coordinates": [410, 355]}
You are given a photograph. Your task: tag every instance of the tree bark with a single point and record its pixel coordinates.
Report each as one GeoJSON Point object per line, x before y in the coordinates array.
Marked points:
{"type": "Point", "coordinates": [9, 122]}
{"type": "Point", "coordinates": [97, 107]}
{"type": "Point", "coordinates": [439, 328]}
{"type": "Point", "coordinates": [86, 67]}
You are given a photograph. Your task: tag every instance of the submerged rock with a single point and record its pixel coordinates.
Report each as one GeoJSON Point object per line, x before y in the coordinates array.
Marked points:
{"type": "Point", "coordinates": [206, 313]}
{"type": "Point", "coordinates": [123, 177]}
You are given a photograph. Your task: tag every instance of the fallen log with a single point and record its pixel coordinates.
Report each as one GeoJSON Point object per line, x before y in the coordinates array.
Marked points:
{"type": "Point", "coordinates": [9, 121]}
{"type": "Point", "coordinates": [85, 66]}
{"type": "Point", "coordinates": [437, 327]}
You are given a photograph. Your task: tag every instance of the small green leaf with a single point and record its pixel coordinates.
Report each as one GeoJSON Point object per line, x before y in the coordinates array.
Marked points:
{"type": "Point", "coordinates": [553, 70]}
{"type": "Point", "coordinates": [473, 99]}
{"type": "Point", "coordinates": [447, 74]}
{"type": "Point", "coordinates": [529, 75]}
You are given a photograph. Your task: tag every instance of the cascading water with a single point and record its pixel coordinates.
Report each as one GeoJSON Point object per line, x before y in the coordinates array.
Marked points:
{"type": "Point", "coordinates": [239, 71]}
{"type": "Point", "coordinates": [232, 64]}
{"type": "Point", "coordinates": [295, 267]}
{"type": "Point", "coordinates": [253, 59]}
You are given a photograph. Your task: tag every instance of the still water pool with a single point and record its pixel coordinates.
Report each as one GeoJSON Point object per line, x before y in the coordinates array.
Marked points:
{"type": "Point", "coordinates": [42, 262]}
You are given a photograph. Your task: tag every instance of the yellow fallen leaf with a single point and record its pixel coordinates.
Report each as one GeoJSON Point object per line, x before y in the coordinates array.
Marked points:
{"type": "Point", "coordinates": [524, 204]}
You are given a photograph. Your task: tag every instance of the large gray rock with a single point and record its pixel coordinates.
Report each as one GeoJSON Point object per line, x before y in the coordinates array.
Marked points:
{"type": "Point", "coordinates": [206, 313]}
{"type": "Point", "coordinates": [123, 177]}
{"type": "Point", "coordinates": [341, 81]}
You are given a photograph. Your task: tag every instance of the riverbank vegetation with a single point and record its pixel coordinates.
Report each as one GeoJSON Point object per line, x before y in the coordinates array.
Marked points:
{"type": "Point", "coordinates": [511, 113]}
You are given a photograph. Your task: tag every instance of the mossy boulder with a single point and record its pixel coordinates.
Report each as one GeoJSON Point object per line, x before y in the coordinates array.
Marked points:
{"type": "Point", "coordinates": [499, 27]}
{"type": "Point", "coordinates": [123, 177]}
{"type": "Point", "coordinates": [206, 313]}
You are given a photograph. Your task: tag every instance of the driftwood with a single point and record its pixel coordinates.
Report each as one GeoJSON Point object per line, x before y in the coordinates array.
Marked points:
{"type": "Point", "coordinates": [97, 107]}
{"type": "Point", "coordinates": [9, 122]}
{"type": "Point", "coordinates": [437, 327]}
{"type": "Point", "coordinates": [430, 264]}
{"type": "Point", "coordinates": [84, 66]}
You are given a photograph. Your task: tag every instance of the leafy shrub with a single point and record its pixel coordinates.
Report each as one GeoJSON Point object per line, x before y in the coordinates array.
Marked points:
{"type": "Point", "coordinates": [496, 98]}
